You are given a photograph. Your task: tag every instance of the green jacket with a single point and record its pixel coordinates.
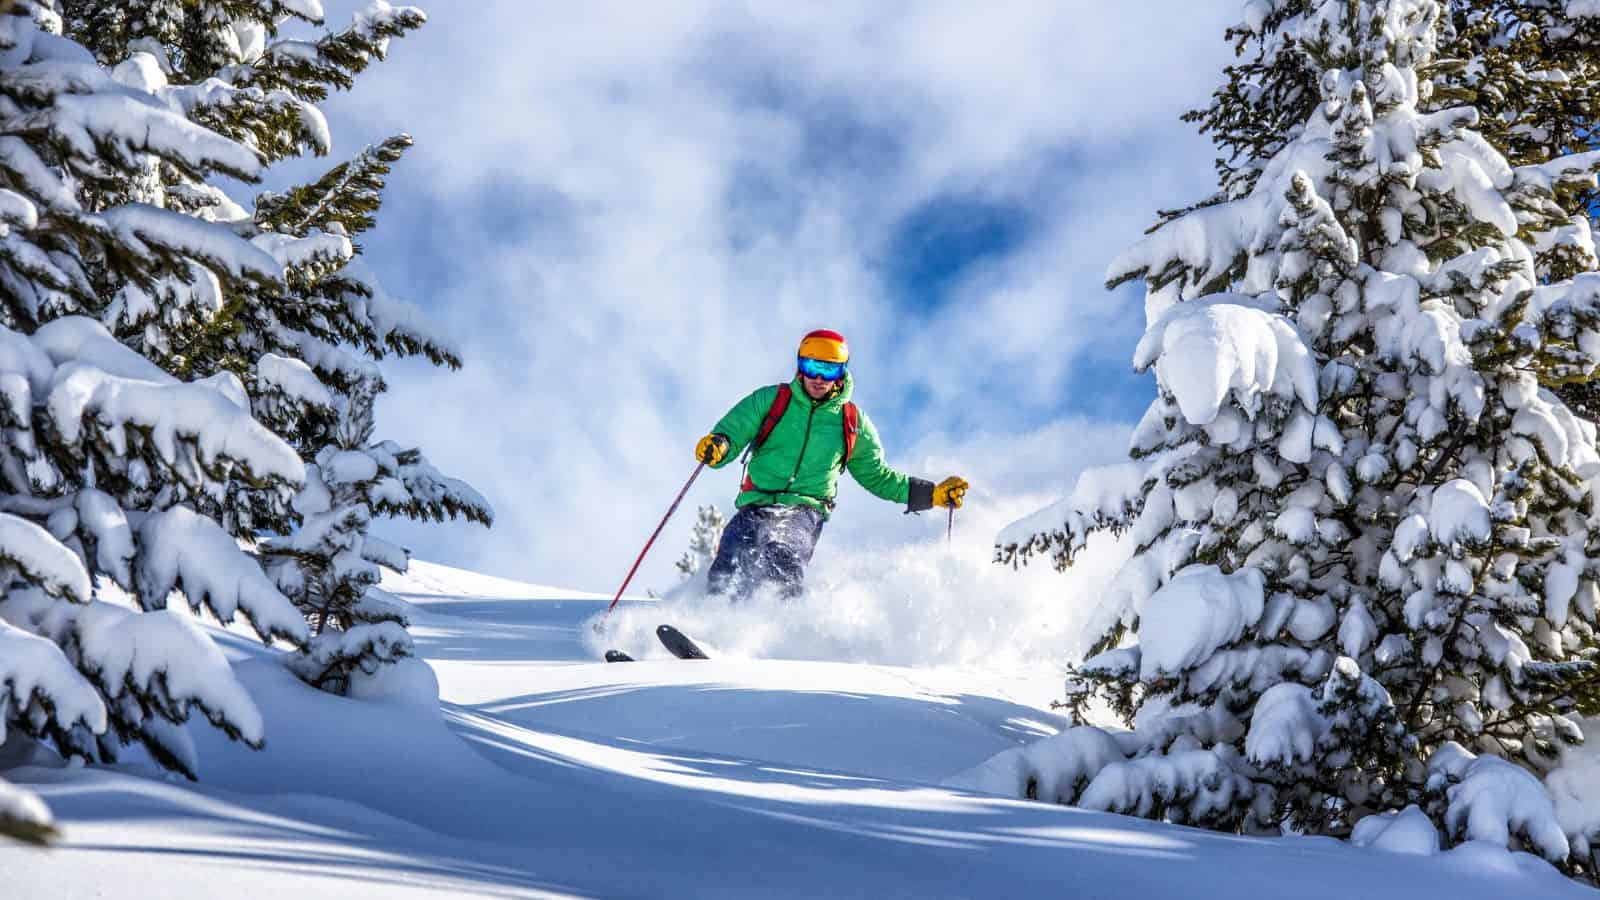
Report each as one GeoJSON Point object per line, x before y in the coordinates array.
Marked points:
{"type": "Point", "coordinates": [800, 462]}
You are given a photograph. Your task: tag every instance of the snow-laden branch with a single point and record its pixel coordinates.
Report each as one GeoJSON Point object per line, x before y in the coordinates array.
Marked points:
{"type": "Point", "coordinates": [1104, 497]}
{"type": "Point", "coordinates": [183, 551]}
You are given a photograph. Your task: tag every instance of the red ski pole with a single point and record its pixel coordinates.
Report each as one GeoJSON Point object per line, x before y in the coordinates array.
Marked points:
{"type": "Point", "coordinates": [672, 509]}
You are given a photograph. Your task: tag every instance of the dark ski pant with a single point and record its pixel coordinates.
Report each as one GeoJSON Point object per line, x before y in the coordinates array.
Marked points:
{"type": "Point", "coordinates": [764, 545]}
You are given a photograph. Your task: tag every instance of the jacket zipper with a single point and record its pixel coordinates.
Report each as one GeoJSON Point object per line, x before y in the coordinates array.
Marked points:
{"type": "Point", "coordinates": [803, 444]}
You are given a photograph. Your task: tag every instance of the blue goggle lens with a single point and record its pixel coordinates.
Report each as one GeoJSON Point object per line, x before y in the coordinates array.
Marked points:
{"type": "Point", "coordinates": [816, 368]}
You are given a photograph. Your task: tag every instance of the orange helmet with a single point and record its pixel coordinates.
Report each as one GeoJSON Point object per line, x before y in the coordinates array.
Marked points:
{"type": "Point", "coordinates": [824, 345]}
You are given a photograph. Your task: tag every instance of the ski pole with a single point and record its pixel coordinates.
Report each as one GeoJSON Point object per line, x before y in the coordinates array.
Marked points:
{"type": "Point", "coordinates": [670, 510]}
{"type": "Point", "coordinates": [950, 528]}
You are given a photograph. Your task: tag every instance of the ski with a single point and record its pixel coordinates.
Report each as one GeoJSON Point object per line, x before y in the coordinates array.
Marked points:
{"type": "Point", "coordinates": [678, 643]}
{"type": "Point", "coordinates": [617, 656]}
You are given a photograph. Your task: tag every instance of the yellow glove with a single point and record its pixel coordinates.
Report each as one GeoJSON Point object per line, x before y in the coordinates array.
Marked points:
{"type": "Point", "coordinates": [711, 449]}
{"type": "Point", "coordinates": [950, 492]}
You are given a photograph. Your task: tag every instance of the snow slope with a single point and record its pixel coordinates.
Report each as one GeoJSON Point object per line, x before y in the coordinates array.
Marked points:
{"type": "Point", "coordinates": [543, 773]}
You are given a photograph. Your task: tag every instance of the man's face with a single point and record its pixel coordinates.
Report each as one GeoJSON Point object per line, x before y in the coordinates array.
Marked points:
{"type": "Point", "coordinates": [817, 388]}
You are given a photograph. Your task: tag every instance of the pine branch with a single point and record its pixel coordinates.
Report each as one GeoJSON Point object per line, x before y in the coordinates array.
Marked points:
{"type": "Point", "coordinates": [349, 194]}
{"type": "Point", "coordinates": [311, 70]}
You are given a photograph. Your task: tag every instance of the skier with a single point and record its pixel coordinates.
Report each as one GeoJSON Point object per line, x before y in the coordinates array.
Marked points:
{"type": "Point", "coordinates": [799, 436]}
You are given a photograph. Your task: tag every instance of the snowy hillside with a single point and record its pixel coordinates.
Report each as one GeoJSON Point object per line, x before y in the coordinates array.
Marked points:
{"type": "Point", "coordinates": [542, 772]}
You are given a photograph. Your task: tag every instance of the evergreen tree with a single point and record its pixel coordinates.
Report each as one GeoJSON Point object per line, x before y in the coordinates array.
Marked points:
{"type": "Point", "coordinates": [1365, 520]}
{"type": "Point", "coordinates": [130, 462]}
{"type": "Point", "coordinates": [111, 469]}
{"type": "Point", "coordinates": [703, 541]}
{"type": "Point", "coordinates": [329, 566]}
{"type": "Point", "coordinates": [307, 348]}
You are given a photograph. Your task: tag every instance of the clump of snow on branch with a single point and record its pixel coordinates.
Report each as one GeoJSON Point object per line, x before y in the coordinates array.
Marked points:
{"type": "Point", "coordinates": [183, 551]}
{"type": "Point", "coordinates": [1192, 616]}
{"type": "Point", "coordinates": [1198, 786]}
{"type": "Point", "coordinates": [39, 680]}
{"type": "Point", "coordinates": [128, 652]}
{"type": "Point", "coordinates": [1286, 726]}
{"type": "Point", "coordinates": [1492, 800]}
{"type": "Point", "coordinates": [1055, 770]}
{"type": "Point", "coordinates": [1407, 831]}
{"type": "Point", "coordinates": [1226, 347]}
{"type": "Point", "coordinates": [49, 563]}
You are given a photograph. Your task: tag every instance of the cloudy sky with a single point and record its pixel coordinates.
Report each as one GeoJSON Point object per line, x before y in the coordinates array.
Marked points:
{"type": "Point", "coordinates": [629, 212]}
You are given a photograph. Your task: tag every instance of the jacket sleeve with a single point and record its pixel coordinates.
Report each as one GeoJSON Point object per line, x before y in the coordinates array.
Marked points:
{"type": "Point", "coordinates": [743, 422]}
{"type": "Point", "coordinates": [871, 472]}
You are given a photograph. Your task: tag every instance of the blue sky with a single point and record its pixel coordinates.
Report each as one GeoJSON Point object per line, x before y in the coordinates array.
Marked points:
{"type": "Point", "coordinates": [628, 214]}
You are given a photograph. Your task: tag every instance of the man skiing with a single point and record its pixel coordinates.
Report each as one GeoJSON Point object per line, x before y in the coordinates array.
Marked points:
{"type": "Point", "coordinates": [800, 436]}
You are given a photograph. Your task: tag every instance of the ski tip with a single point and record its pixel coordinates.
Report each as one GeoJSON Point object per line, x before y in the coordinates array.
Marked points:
{"type": "Point", "coordinates": [616, 656]}
{"type": "Point", "coordinates": [678, 643]}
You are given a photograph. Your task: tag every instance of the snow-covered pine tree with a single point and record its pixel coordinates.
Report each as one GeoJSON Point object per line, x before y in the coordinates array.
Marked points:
{"type": "Point", "coordinates": [317, 379]}
{"type": "Point", "coordinates": [308, 349]}
{"type": "Point", "coordinates": [703, 541]}
{"type": "Point", "coordinates": [108, 463]}
{"type": "Point", "coordinates": [329, 566]}
{"type": "Point", "coordinates": [1365, 522]}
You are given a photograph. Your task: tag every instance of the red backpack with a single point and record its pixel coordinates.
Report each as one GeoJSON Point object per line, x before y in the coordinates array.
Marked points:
{"type": "Point", "coordinates": [780, 404]}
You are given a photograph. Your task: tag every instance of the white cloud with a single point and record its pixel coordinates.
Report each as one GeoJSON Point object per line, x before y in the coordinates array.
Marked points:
{"type": "Point", "coordinates": [681, 189]}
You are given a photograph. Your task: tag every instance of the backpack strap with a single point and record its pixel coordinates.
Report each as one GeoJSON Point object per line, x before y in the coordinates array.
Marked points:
{"type": "Point", "coordinates": [780, 404]}
{"type": "Point", "coordinates": [852, 426]}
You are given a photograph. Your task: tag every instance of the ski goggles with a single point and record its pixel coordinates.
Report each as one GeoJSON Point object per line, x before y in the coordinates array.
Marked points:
{"type": "Point", "coordinates": [817, 368]}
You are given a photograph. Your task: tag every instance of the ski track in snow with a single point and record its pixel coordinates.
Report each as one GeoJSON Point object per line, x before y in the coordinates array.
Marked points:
{"type": "Point", "coordinates": [549, 774]}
